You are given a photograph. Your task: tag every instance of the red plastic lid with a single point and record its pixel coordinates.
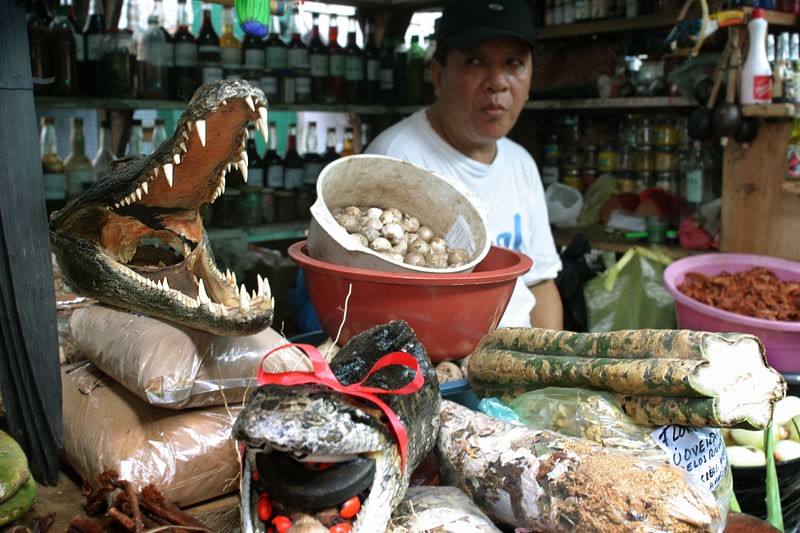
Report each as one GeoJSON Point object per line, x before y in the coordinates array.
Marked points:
{"type": "Point", "coordinates": [758, 13]}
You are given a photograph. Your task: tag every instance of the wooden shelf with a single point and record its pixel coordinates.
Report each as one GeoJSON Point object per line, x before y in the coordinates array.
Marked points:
{"type": "Point", "coordinates": [592, 27]}
{"type": "Point", "coordinates": [769, 110]}
{"type": "Point", "coordinates": [602, 238]}
{"type": "Point", "coordinates": [278, 231]}
{"type": "Point", "coordinates": [612, 103]}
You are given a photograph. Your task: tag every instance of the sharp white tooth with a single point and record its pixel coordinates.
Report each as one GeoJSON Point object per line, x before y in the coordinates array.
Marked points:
{"type": "Point", "coordinates": [228, 168]}
{"type": "Point", "coordinates": [260, 282]}
{"type": "Point", "coordinates": [145, 187]}
{"type": "Point", "coordinates": [250, 104]}
{"type": "Point", "coordinates": [185, 134]}
{"type": "Point", "coordinates": [212, 308]}
{"type": "Point", "coordinates": [253, 296]}
{"type": "Point", "coordinates": [233, 278]}
{"type": "Point", "coordinates": [264, 133]}
{"type": "Point", "coordinates": [223, 311]}
{"type": "Point", "coordinates": [222, 182]}
{"type": "Point", "coordinates": [156, 172]}
{"type": "Point", "coordinates": [166, 285]}
{"type": "Point", "coordinates": [262, 114]}
{"type": "Point", "coordinates": [245, 158]}
{"type": "Point", "coordinates": [189, 125]}
{"type": "Point", "coordinates": [183, 147]}
{"type": "Point", "coordinates": [127, 200]}
{"type": "Point", "coordinates": [139, 193]}
{"type": "Point", "coordinates": [201, 131]}
{"type": "Point", "coordinates": [227, 274]}
{"type": "Point", "coordinates": [244, 301]}
{"type": "Point", "coordinates": [243, 170]}
{"type": "Point", "coordinates": [116, 205]}
{"type": "Point", "coordinates": [168, 173]}
{"type": "Point", "coordinates": [202, 297]}
{"type": "Point", "coordinates": [267, 288]}
{"type": "Point", "coordinates": [177, 159]}
{"type": "Point", "coordinates": [224, 102]}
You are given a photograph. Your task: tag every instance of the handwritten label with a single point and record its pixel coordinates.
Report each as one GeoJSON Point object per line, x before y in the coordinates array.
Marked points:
{"type": "Point", "coordinates": [699, 451]}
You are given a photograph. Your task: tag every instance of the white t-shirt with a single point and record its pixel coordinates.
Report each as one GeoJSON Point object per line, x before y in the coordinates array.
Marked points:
{"type": "Point", "coordinates": [511, 188]}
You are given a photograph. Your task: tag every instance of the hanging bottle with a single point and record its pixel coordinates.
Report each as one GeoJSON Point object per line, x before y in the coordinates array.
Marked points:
{"type": "Point", "coordinates": [77, 165]}
{"type": "Point", "coordinates": [152, 61]}
{"type": "Point", "coordinates": [93, 39]}
{"type": "Point", "coordinates": [64, 54]}
{"type": "Point", "coordinates": [209, 55]}
{"type": "Point", "coordinates": [318, 63]}
{"type": "Point", "coordinates": [354, 70]}
{"type": "Point", "coordinates": [415, 60]}
{"type": "Point", "coordinates": [312, 160]}
{"type": "Point", "coordinates": [186, 64]}
{"type": "Point", "coordinates": [756, 76]}
{"type": "Point", "coordinates": [337, 89]}
{"type": "Point", "coordinates": [229, 46]}
{"type": "Point", "coordinates": [347, 143]}
{"type": "Point", "coordinates": [38, 35]}
{"type": "Point", "coordinates": [297, 50]}
{"type": "Point", "coordinates": [55, 190]}
{"type": "Point", "coordinates": [272, 160]}
{"type": "Point", "coordinates": [292, 162]}
{"type": "Point", "coordinates": [330, 155]}
{"type": "Point", "coordinates": [255, 164]}
{"type": "Point", "coordinates": [372, 67]}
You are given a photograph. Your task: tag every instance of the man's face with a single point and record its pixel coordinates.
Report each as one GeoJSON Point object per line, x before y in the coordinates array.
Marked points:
{"type": "Point", "coordinates": [482, 90]}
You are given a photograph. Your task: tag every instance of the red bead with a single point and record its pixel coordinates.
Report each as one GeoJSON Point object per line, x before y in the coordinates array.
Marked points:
{"type": "Point", "coordinates": [255, 475]}
{"type": "Point", "coordinates": [264, 508]}
{"type": "Point", "coordinates": [282, 523]}
{"type": "Point", "coordinates": [341, 527]}
{"type": "Point", "coordinates": [350, 508]}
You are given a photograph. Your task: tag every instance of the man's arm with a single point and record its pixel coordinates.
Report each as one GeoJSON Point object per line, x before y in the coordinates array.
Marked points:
{"type": "Point", "coordinates": [548, 311]}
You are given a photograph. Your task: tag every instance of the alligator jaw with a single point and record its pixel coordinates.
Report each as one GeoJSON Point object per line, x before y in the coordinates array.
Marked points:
{"type": "Point", "coordinates": [136, 240]}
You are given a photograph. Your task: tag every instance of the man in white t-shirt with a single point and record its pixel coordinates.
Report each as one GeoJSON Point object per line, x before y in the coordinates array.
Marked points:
{"type": "Point", "coordinates": [482, 75]}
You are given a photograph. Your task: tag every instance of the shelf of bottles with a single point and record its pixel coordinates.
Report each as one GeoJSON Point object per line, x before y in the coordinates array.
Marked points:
{"type": "Point", "coordinates": [643, 102]}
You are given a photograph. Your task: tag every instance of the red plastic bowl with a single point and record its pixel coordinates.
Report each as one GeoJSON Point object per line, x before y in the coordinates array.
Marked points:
{"type": "Point", "coordinates": [781, 339]}
{"type": "Point", "coordinates": [449, 313]}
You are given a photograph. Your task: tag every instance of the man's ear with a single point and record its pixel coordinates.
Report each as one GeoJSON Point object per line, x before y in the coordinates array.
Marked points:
{"type": "Point", "coordinates": [436, 76]}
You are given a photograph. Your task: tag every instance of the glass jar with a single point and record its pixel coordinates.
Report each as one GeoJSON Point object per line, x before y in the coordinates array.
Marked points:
{"type": "Point", "coordinates": [668, 181]}
{"type": "Point", "coordinates": [626, 160]}
{"type": "Point", "coordinates": [607, 159]}
{"type": "Point", "coordinates": [667, 134]}
{"type": "Point", "coordinates": [268, 205]}
{"type": "Point", "coordinates": [572, 178]}
{"type": "Point", "coordinates": [665, 159]}
{"type": "Point", "coordinates": [250, 206]}
{"type": "Point", "coordinates": [552, 147]}
{"type": "Point", "coordinates": [589, 157]}
{"type": "Point", "coordinates": [588, 177]}
{"type": "Point", "coordinates": [645, 180]}
{"type": "Point", "coordinates": [627, 182]}
{"type": "Point", "coordinates": [645, 159]}
{"type": "Point", "coordinates": [645, 133]}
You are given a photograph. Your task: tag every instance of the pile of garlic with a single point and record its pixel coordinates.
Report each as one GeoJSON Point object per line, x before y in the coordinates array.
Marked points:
{"type": "Point", "coordinates": [398, 236]}
{"type": "Point", "coordinates": [746, 448]}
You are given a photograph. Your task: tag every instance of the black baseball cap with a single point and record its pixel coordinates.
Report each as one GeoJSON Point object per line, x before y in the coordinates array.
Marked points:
{"type": "Point", "coordinates": [465, 23]}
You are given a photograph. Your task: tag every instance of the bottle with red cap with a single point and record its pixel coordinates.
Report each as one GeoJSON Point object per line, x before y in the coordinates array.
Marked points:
{"type": "Point", "coordinates": [756, 76]}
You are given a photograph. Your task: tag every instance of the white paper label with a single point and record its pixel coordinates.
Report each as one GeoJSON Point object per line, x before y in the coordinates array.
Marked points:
{"type": "Point", "coordinates": [460, 236]}
{"type": "Point", "coordinates": [699, 451]}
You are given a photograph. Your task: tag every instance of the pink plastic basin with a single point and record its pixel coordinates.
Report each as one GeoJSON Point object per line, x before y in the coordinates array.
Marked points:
{"type": "Point", "coordinates": [781, 339]}
{"type": "Point", "coordinates": [449, 313]}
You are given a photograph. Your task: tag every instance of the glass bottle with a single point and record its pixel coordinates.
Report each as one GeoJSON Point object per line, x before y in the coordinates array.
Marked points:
{"type": "Point", "coordinates": [354, 69]}
{"type": "Point", "coordinates": [415, 62]}
{"type": "Point", "coordinates": [386, 72]}
{"type": "Point", "coordinates": [230, 48]}
{"type": "Point", "coordinates": [159, 133]}
{"type": "Point", "coordinates": [136, 140]}
{"type": "Point", "coordinates": [115, 68]}
{"type": "Point", "coordinates": [209, 55]}
{"type": "Point", "coordinates": [185, 56]}
{"type": "Point", "coordinates": [93, 40]}
{"type": "Point", "coordinates": [64, 53]}
{"type": "Point", "coordinates": [275, 80]}
{"type": "Point", "coordinates": [133, 36]}
{"type": "Point", "coordinates": [428, 91]}
{"type": "Point", "coordinates": [80, 46]}
{"type": "Point", "coordinates": [292, 162]}
{"type": "Point", "coordinates": [277, 55]}
{"type": "Point", "coordinates": [297, 51]}
{"type": "Point", "coordinates": [347, 143]}
{"type": "Point", "coordinates": [272, 160]}
{"type": "Point", "coordinates": [400, 72]}
{"type": "Point", "coordinates": [337, 89]}
{"type": "Point", "coordinates": [312, 160]}
{"type": "Point", "coordinates": [55, 190]}
{"type": "Point", "coordinates": [366, 136]}
{"type": "Point", "coordinates": [158, 9]}
{"type": "Point", "coordinates": [694, 181]}
{"type": "Point", "coordinates": [255, 165]}
{"type": "Point", "coordinates": [254, 53]}
{"type": "Point", "coordinates": [372, 67]}
{"type": "Point", "coordinates": [318, 63]}
{"type": "Point", "coordinates": [77, 165]}
{"type": "Point", "coordinates": [330, 155]}
{"type": "Point", "coordinates": [38, 35]}
{"type": "Point", "coordinates": [152, 61]}
{"type": "Point", "coordinates": [101, 162]}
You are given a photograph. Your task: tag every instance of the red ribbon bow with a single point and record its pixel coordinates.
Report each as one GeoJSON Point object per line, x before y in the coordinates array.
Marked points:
{"type": "Point", "coordinates": [323, 375]}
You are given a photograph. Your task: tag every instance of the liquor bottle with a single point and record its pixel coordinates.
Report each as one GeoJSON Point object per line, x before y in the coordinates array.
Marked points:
{"type": "Point", "coordinates": [38, 35]}
{"type": "Point", "coordinates": [347, 143]}
{"type": "Point", "coordinates": [101, 162]}
{"type": "Point", "coordinates": [159, 133]}
{"type": "Point", "coordinates": [386, 74]}
{"type": "Point", "coordinates": [401, 72]}
{"type": "Point", "coordinates": [133, 36]}
{"type": "Point", "coordinates": [415, 61]}
{"type": "Point", "coordinates": [272, 160]}
{"type": "Point", "coordinates": [372, 72]}
{"type": "Point", "coordinates": [80, 45]}
{"type": "Point", "coordinates": [93, 38]}
{"type": "Point", "coordinates": [337, 89]}
{"type": "Point", "coordinates": [297, 53]}
{"type": "Point", "coordinates": [330, 155]}
{"type": "Point", "coordinates": [77, 165]}
{"type": "Point", "coordinates": [292, 162]}
{"type": "Point", "coordinates": [229, 46]}
{"type": "Point", "coordinates": [158, 9]}
{"type": "Point", "coordinates": [428, 90]}
{"type": "Point", "coordinates": [55, 190]}
{"type": "Point", "coordinates": [318, 63]}
{"type": "Point", "coordinates": [312, 160]}
{"type": "Point", "coordinates": [695, 182]}
{"type": "Point", "coordinates": [63, 50]}
{"type": "Point", "coordinates": [136, 139]}
{"type": "Point", "coordinates": [255, 165]}
{"type": "Point", "coordinates": [354, 67]}
{"type": "Point", "coordinates": [277, 55]}
{"type": "Point", "coordinates": [209, 55]}
{"type": "Point", "coordinates": [185, 56]}
{"type": "Point", "coordinates": [152, 61]}
{"type": "Point", "coordinates": [115, 68]}
{"type": "Point", "coordinates": [253, 57]}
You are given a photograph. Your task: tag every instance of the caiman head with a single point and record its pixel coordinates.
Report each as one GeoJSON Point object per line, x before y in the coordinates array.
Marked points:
{"type": "Point", "coordinates": [135, 239]}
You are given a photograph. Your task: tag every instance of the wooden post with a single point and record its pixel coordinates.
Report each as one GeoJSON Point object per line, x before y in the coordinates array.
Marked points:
{"type": "Point", "coordinates": [30, 379]}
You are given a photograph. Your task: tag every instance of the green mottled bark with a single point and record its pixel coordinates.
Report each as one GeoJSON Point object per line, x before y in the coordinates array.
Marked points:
{"type": "Point", "coordinates": [13, 466]}
{"type": "Point", "coordinates": [696, 412]}
{"type": "Point", "coordinates": [18, 504]}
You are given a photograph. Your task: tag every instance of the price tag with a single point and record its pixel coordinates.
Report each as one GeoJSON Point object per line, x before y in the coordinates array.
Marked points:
{"type": "Point", "coordinates": [460, 236]}
{"type": "Point", "coordinates": [700, 451]}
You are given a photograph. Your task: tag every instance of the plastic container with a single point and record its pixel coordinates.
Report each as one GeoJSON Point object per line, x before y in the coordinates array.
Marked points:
{"type": "Point", "coordinates": [449, 313]}
{"type": "Point", "coordinates": [755, 85]}
{"type": "Point", "coordinates": [781, 339]}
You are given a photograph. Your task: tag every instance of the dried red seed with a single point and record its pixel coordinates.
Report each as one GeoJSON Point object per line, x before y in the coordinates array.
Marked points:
{"type": "Point", "coordinates": [350, 508]}
{"type": "Point", "coordinates": [255, 475]}
{"type": "Point", "coordinates": [264, 508]}
{"type": "Point", "coordinates": [282, 523]}
{"type": "Point", "coordinates": [341, 527]}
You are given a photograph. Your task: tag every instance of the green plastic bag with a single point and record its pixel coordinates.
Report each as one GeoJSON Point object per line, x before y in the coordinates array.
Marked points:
{"type": "Point", "coordinates": [630, 293]}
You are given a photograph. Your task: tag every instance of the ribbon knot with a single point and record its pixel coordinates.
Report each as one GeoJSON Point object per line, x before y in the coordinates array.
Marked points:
{"type": "Point", "coordinates": [323, 375]}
